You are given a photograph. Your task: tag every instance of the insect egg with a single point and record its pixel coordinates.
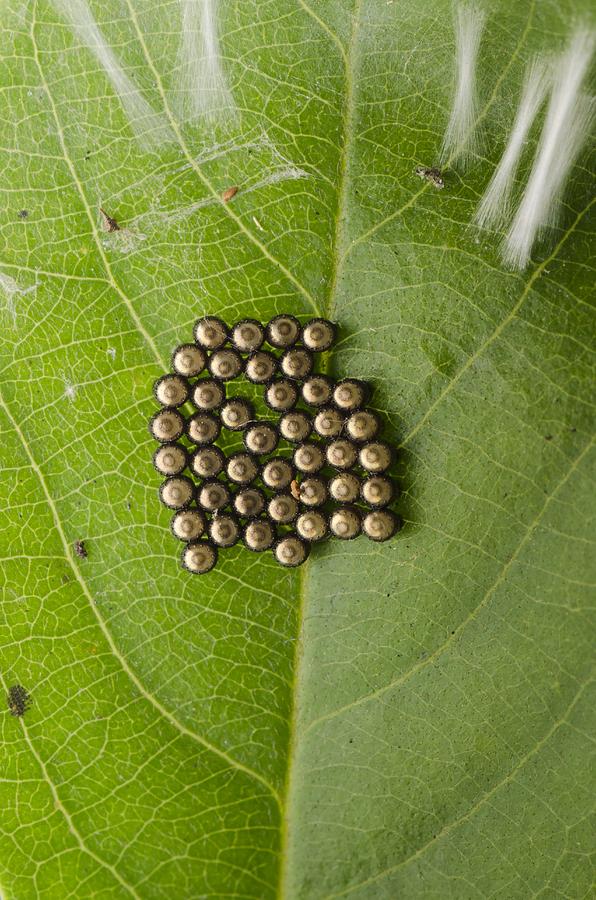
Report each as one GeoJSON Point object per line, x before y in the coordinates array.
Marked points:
{"type": "Point", "coordinates": [189, 360]}
{"type": "Point", "coordinates": [207, 462]}
{"type": "Point", "coordinates": [241, 468]}
{"type": "Point", "coordinates": [236, 413]}
{"type": "Point", "coordinates": [213, 494]}
{"type": "Point", "coordinates": [311, 525]}
{"type": "Point", "coordinates": [344, 487]}
{"type": "Point", "coordinates": [362, 425]}
{"type": "Point", "coordinates": [199, 557]}
{"type": "Point", "coordinates": [317, 390]}
{"type": "Point", "coordinates": [211, 333]}
{"type": "Point", "coordinates": [261, 438]}
{"type": "Point", "coordinates": [296, 363]}
{"type": "Point", "coordinates": [313, 491]}
{"type": "Point", "coordinates": [282, 509]}
{"type": "Point", "coordinates": [291, 551]}
{"type": "Point", "coordinates": [377, 490]}
{"type": "Point", "coordinates": [318, 335]}
{"type": "Point", "coordinates": [249, 502]}
{"type": "Point", "coordinates": [225, 364]}
{"type": "Point", "coordinates": [380, 524]}
{"type": "Point", "coordinates": [341, 454]}
{"type": "Point", "coordinates": [188, 524]}
{"type": "Point", "coordinates": [258, 535]}
{"type": "Point", "coordinates": [166, 425]}
{"type": "Point", "coordinates": [295, 426]}
{"type": "Point", "coordinates": [344, 523]}
{"type": "Point", "coordinates": [283, 331]}
{"type": "Point", "coordinates": [177, 492]}
{"type": "Point", "coordinates": [170, 459]}
{"type": "Point", "coordinates": [309, 458]}
{"type": "Point", "coordinates": [202, 428]}
{"type": "Point", "coordinates": [281, 395]}
{"type": "Point", "coordinates": [224, 530]}
{"type": "Point", "coordinates": [328, 422]}
{"type": "Point", "coordinates": [277, 474]}
{"type": "Point", "coordinates": [260, 367]}
{"type": "Point", "coordinates": [349, 394]}
{"type": "Point", "coordinates": [171, 390]}
{"type": "Point", "coordinates": [247, 335]}
{"type": "Point", "coordinates": [375, 457]}
{"type": "Point", "coordinates": [208, 394]}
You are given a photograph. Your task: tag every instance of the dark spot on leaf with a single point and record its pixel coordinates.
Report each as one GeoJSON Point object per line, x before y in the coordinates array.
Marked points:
{"type": "Point", "coordinates": [23, 213]}
{"type": "Point", "coordinates": [18, 699]}
{"type": "Point", "coordinates": [80, 549]}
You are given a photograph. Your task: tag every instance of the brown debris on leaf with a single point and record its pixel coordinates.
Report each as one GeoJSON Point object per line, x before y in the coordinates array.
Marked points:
{"type": "Point", "coordinates": [80, 549]}
{"type": "Point", "coordinates": [229, 193]}
{"type": "Point", "coordinates": [109, 223]}
{"type": "Point", "coordinates": [432, 175]}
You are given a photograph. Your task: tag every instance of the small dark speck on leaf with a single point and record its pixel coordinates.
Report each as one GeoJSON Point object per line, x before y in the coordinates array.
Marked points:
{"type": "Point", "coordinates": [109, 223]}
{"type": "Point", "coordinates": [431, 175]}
{"type": "Point", "coordinates": [23, 213]}
{"type": "Point", "coordinates": [573, 430]}
{"type": "Point", "coordinates": [548, 437]}
{"type": "Point", "coordinates": [80, 549]}
{"type": "Point", "coordinates": [229, 193]}
{"type": "Point", "coordinates": [18, 699]}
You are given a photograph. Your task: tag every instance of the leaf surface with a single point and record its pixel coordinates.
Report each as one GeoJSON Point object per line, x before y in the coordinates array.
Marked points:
{"type": "Point", "coordinates": [403, 720]}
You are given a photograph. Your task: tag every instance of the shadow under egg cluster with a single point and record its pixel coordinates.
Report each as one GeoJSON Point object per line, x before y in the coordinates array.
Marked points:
{"type": "Point", "coordinates": [333, 480]}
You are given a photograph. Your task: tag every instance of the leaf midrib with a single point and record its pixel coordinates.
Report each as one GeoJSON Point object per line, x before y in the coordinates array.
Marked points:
{"type": "Point", "coordinates": [339, 238]}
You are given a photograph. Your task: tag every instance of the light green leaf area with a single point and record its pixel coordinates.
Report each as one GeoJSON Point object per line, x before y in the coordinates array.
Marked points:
{"type": "Point", "coordinates": [407, 720]}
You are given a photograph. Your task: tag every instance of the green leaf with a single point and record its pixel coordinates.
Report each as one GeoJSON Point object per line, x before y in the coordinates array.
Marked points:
{"type": "Point", "coordinates": [410, 720]}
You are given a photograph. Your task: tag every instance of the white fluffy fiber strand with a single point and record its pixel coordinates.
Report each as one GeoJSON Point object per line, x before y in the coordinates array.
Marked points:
{"type": "Point", "coordinates": [460, 137]}
{"type": "Point", "coordinates": [204, 87]}
{"type": "Point", "coordinates": [494, 207]}
{"type": "Point", "coordinates": [149, 127]}
{"type": "Point", "coordinates": [568, 121]}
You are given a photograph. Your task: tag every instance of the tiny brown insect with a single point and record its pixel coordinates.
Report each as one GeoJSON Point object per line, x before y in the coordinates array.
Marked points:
{"type": "Point", "coordinates": [109, 223]}
{"type": "Point", "coordinates": [18, 699]}
{"type": "Point", "coordinates": [432, 175]}
{"type": "Point", "coordinates": [80, 549]}
{"type": "Point", "coordinates": [229, 193]}
{"type": "Point", "coordinates": [295, 489]}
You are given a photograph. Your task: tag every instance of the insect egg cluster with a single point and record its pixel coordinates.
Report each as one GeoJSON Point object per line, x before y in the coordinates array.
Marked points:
{"type": "Point", "coordinates": [19, 700]}
{"type": "Point", "coordinates": [315, 468]}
